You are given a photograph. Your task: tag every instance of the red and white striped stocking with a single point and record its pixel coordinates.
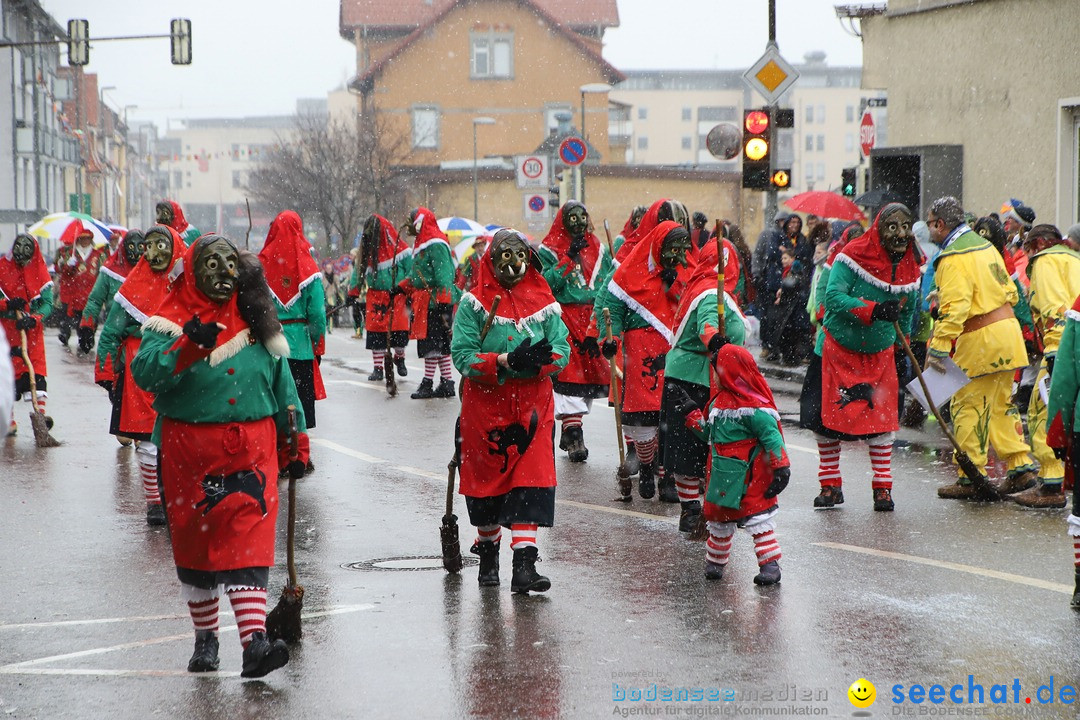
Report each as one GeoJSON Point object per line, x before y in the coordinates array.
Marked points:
{"type": "Point", "coordinates": [488, 533]}
{"type": "Point", "coordinates": [718, 546]}
{"type": "Point", "coordinates": [445, 371]}
{"type": "Point", "coordinates": [146, 454]}
{"type": "Point", "coordinates": [689, 488]}
{"type": "Point", "coordinates": [767, 547]}
{"type": "Point", "coordinates": [204, 614]}
{"type": "Point", "coordinates": [881, 463]}
{"type": "Point", "coordinates": [828, 462]}
{"type": "Point", "coordinates": [522, 535]}
{"type": "Point", "coordinates": [249, 606]}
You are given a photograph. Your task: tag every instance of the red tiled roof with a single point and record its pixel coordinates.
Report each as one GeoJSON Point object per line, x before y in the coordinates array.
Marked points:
{"type": "Point", "coordinates": [409, 14]}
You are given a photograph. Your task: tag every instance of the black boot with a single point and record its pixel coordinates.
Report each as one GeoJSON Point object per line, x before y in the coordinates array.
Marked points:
{"type": "Point", "coordinates": [425, 391]}
{"type": "Point", "coordinates": [646, 485]}
{"type": "Point", "coordinates": [489, 563]}
{"type": "Point", "coordinates": [830, 496]}
{"type": "Point", "coordinates": [883, 501]}
{"type": "Point", "coordinates": [262, 656]}
{"type": "Point", "coordinates": [155, 514]}
{"type": "Point", "coordinates": [688, 518]}
{"type": "Point", "coordinates": [575, 444]}
{"type": "Point", "coordinates": [205, 657]}
{"type": "Point", "coordinates": [768, 574]}
{"type": "Point", "coordinates": [399, 363]}
{"type": "Point", "coordinates": [666, 486]}
{"type": "Point", "coordinates": [1076, 593]}
{"type": "Point", "coordinates": [446, 389]}
{"type": "Point", "coordinates": [525, 576]}
{"type": "Point", "coordinates": [376, 375]}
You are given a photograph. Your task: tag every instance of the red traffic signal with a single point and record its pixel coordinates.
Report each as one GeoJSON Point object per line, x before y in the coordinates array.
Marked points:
{"type": "Point", "coordinates": [756, 122]}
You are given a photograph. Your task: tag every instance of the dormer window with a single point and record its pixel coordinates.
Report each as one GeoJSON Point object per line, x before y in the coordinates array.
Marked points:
{"type": "Point", "coordinates": [491, 54]}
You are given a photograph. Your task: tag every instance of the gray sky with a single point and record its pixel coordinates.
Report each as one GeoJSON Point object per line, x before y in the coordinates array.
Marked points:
{"type": "Point", "coordinates": [255, 57]}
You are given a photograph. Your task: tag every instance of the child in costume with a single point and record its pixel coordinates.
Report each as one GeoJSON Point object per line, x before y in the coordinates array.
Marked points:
{"type": "Point", "coordinates": [26, 291]}
{"type": "Point", "coordinates": [384, 259]}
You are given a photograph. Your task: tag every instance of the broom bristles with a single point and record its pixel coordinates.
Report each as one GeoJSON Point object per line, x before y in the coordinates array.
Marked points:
{"type": "Point", "coordinates": [283, 622]}
{"type": "Point", "coordinates": [41, 431]}
{"type": "Point", "coordinates": [700, 533]}
{"type": "Point", "coordinates": [451, 546]}
{"type": "Point", "coordinates": [391, 381]}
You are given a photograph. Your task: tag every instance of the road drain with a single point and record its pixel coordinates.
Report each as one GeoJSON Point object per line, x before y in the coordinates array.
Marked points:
{"type": "Point", "coordinates": [407, 563]}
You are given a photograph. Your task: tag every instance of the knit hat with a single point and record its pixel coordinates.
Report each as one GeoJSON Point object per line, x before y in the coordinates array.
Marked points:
{"type": "Point", "coordinates": [1073, 233]}
{"type": "Point", "coordinates": [1020, 213]}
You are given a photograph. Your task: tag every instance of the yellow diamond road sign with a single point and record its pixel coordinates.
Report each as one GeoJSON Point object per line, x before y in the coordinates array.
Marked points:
{"type": "Point", "coordinates": [771, 75]}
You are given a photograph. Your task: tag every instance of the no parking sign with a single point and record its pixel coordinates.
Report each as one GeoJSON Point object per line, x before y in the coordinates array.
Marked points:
{"type": "Point", "coordinates": [536, 207]}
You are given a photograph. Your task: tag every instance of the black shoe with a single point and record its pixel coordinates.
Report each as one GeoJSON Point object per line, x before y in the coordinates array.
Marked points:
{"type": "Point", "coordinates": [646, 485]}
{"type": "Point", "coordinates": [309, 467]}
{"type": "Point", "coordinates": [526, 578]}
{"type": "Point", "coordinates": [830, 495]}
{"type": "Point", "coordinates": [262, 657]}
{"type": "Point", "coordinates": [666, 486]}
{"type": "Point", "coordinates": [376, 375]}
{"type": "Point", "coordinates": [399, 363]}
{"type": "Point", "coordinates": [489, 563]}
{"type": "Point", "coordinates": [445, 389]}
{"type": "Point", "coordinates": [714, 571]}
{"type": "Point", "coordinates": [769, 574]}
{"type": "Point", "coordinates": [1075, 604]}
{"type": "Point", "coordinates": [633, 465]}
{"type": "Point", "coordinates": [155, 514]}
{"type": "Point", "coordinates": [64, 338]}
{"type": "Point", "coordinates": [688, 518]}
{"type": "Point", "coordinates": [883, 501]}
{"type": "Point", "coordinates": [425, 391]}
{"type": "Point", "coordinates": [205, 657]}
{"type": "Point", "coordinates": [574, 440]}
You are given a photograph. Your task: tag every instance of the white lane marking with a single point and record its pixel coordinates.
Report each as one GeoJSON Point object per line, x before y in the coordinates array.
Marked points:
{"type": "Point", "coordinates": [800, 448]}
{"type": "Point", "coordinates": [105, 672]}
{"type": "Point", "coordinates": [27, 667]}
{"type": "Point", "coordinates": [95, 621]}
{"type": "Point", "coordinates": [347, 451]}
{"type": "Point", "coordinates": [618, 511]}
{"type": "Point", "coordinates": [945, 564]}
{"type": "Point", "coordinates": [418, 472]}
{"type": "Point", "coordinates": [366, 386]}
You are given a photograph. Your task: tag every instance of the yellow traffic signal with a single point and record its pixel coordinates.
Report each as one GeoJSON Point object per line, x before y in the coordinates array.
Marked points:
{"type": "Point", "coordinates": [781, 179]}
{"type": "Point", "coordinates": [756, 148]}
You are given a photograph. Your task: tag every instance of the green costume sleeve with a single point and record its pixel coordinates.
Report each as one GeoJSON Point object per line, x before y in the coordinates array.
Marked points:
{"type": "Point", "coordinates": [152, 369]}
{"type": "Point", "coordinates": [43, 306]}
{"type": "Point", "coordinates": [766, 429]}
{"type": "Point", "coordinates": [556, 333]}
{"type": "Point", "coordinates": [315, 310]}
{"type": "Point", "coordinates": [442, 262]}
{"type": "Point", "coordinates": [113, 332]}
{"type": "Point", "coordinates": [465, 344]}
{"type": "Point", "coordinates": [1065, 382]}
{"type": "Point", "coordinates": [838, 295]}
{"type": "Point", "coordinates": [98, 297]}
{"type": "Point", "coordinates": [618, 310]}
{"type": "Point", "coordinates": [1022, 308]}
{"type": "Point", "coordinates": [553, 273]}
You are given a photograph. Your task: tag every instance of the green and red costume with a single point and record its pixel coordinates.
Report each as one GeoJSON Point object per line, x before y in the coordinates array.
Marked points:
{"type": "Point", "coordinates": [430, 285]}
{"type": "Point", "coordinates": [380, 274]}
{"type": "Point", "coordinates": [33, 285]}
{"type": "Point", "coordinates": [112, 275]}
{"type": "Point", "coordinates": [188, 232]}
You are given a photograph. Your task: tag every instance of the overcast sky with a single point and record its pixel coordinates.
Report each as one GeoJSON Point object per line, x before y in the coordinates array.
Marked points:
{"type": "Point", "coordinates": [255, 57]}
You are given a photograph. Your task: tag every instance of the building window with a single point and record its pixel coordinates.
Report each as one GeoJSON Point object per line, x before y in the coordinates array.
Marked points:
{"type": "Point", "coordinates": [724, 113]}
{"type": "Point", "coordinates": [821, 171]}
{"type": "Point", "coordinates": [849, 113]}
{"type": "Point", "coordinates": [821, 143]}
{"type": "Point", "coordinates": [643, 113]}
{"type": "Point", "coordinates": [687, 114]}
{"type": "Point", "coordinates": [809, 113]}
{"type": "Point", "coordinates": [491, 54]}
{"type": "Point", "coordinates": [425, 127]}
{"type": "Point", "coordinates": [178, 180]}
{"type": "Point", "coordinates": [643, 142]}
{"type": "Point", "coordinates": [809, 143]}
{"type": "Point", "coordinates": [237, 179]}
{"type": "Point", "coordinates": [550, 121]}
{"type": "Point", "coordinates": [809, 173]}
{"type": "Point", "coordinates": [849, 142]}
{"type": "Point", "coordinates": [687, 142]}
{"type": "Point", "coordinates": [821, 114]}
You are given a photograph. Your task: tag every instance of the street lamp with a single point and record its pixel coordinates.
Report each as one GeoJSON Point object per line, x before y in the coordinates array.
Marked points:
{"type": "Point", "coordinates": [587, 88]}
{"type": "Point", "coordinates": [475, 185]}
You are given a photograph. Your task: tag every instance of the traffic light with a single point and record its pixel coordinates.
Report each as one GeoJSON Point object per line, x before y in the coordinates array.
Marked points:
{"type": "Point", "coordinates": [781, 179]}
{"type": "Point", "coordinates": [561, 192]}
{"type": "Point", "coordinates": [180, 40]}
{"type": "Point", "coordinates": [756, 144]}
{"type": "Point", "coordinates": [78, 42]}
{"type": "Point", "coordinates": [847, 182]}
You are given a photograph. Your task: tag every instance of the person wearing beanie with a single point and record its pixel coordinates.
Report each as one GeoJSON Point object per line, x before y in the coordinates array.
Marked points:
{"type": "Point", "coordinates": [1017, 218]}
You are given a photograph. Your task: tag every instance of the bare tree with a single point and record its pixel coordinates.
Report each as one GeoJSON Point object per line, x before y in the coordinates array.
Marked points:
{"type": "Point", "coordinates": [337, 172]}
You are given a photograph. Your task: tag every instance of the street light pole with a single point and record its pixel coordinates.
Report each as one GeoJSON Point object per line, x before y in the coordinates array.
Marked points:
{"type": "Point", "coordinates": [587, 88]}
{"type": "Point", "coordinates": [475, 184]}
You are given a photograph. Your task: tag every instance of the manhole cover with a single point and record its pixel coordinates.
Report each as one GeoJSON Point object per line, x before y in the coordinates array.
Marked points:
{"type": "Point", "coordinates": [409, 564]}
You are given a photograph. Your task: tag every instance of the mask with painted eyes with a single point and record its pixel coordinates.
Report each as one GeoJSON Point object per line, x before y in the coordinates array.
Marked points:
{"type": "Point", "coordinates": [134, 245]}
{"type": "Point", "coordinates": [23, 250]}
{"type": "Point", "coordinates": [165, 215]}
{"type": "Point", "coordinates": [674, 249]}
{"type": "Point", "coordinates": [510, 255]}
{"type": "Point", "coordinates": [158, 248]}
{"type": "Point", "coordinates": [416, 221]}
{"type": "Point", "coordinates": [216, 261]}
{"type": "Point", "coordinates": [575, 219]}
{"type": "Point", "coordinates": [895, 229]}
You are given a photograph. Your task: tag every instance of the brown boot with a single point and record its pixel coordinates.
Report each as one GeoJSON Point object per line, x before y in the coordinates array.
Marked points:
{"type": "Point", "coordinates": [1018, 480]}
{"type": "Point", "coordinates": [1046, 495]}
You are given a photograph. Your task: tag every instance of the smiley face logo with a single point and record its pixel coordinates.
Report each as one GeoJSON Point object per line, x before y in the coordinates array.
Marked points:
{"type": "Point", "coordinates": [862, 693]}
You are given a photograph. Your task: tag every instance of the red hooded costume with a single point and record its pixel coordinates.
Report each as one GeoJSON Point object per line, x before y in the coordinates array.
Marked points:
{"type": "Point", "coordinates": [286, 258]}
{"type": "Point", "coordinates": [26, 283]}
{"type": "Point", "coordinates": [77, 274]}
{"type": "Point", "coordinates": [392, 250]}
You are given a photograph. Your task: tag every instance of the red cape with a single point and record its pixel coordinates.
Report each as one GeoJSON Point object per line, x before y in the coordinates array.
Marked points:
{"type": "Point", "coordinates": [117, 265]}
{"type": "Point", "coordinates": [529, 299]}
{"type": "Point", "coordinates": [558, 241]}
{"type": "Point", "coordinates": [739, 383]}
{"type": "Point", "coordinates": [427, 231]}
{"type": "Point", "coordinates": [286, 258]}
{"type": "Point", "coordinates": [866, 256]}
{"type": "Point", "coordinates": [144, 289]}
{"type": "Point", "coordinates": [390, 244]}
{"type": "Point", "coordinates": [637, 281]}
{"type": "Point", "coordinates": [179, 223]}
{"type": "Point", "coordinates": [648, 222]}
{"type": "Point", "coordinates": [703, 277]}
{"type": "Point", "coordinates": [24, 282]}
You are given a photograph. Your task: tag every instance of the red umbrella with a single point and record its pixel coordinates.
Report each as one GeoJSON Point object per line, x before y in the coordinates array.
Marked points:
{"type": "Point", "coordinates": [825, 205]}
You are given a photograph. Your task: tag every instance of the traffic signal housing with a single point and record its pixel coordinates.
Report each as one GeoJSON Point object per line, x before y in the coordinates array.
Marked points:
{"type": "Point", "coordinates": [78, 45]}
{"type": "Point", "coordinates": [180, 41]}
{"type": "Point", "coordinates": [847, 181]}
{"type": "Point", "coordinates": [756, 149]}
{"type": "Point", "coordinates": [781, 178]}
{"type": "Point", "coordinates": [561, 192]}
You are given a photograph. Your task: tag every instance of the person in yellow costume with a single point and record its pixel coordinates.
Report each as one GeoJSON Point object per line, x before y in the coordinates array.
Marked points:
{"type": "Point", "coordinates": [977, 327]}
{"type": "Point", "coordinates": [1054, 272]}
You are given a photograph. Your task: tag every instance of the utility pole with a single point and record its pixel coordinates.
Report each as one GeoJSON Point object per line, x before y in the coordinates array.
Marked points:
{"type": "Point", "coordinates": [771, 192]}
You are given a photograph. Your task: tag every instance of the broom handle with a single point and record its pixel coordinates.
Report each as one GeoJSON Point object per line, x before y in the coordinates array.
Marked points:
{"type": "Point", "coordinates": [610, 242]}
{"type": "Point", "coordinates": [294, 454]}
{"type": "Point", "coordinates": [24, 344]}
{"type": "Point", "coordinates": [720, 319]}
{"type": "Point", "coordinates": [925, 389]}
{"type": "Point", "coordinates": [617, 395]}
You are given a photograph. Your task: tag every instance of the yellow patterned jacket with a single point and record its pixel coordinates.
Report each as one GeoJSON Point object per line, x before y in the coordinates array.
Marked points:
{"type": "Point", "coordinates": [1055, 285]}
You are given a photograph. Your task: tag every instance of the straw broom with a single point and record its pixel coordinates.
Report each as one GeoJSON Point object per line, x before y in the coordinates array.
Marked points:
{"type": "Point", "coordinates": [284, 620]}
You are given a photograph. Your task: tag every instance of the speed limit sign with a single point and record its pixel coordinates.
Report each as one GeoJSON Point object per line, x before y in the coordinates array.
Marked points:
{"type": "Point", "coordinates": [532, 170]}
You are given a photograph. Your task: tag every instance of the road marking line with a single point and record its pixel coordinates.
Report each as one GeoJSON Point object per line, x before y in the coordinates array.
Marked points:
{"type": "Point", "coordinates": [618, 511]}
{"type": "Point", "coordinates": [366, 386]}
{"type": "Point", "coordinates": [418, 472]}
{"type": "Point", "coordinates": [971, 569]}
{"type": "Point", "coordinates": [347, 451]}
{"type": "Point", "coordinates": [800, 448]}
{"type": "Point", "coordinates": [96, 621]}
{"type": "Point", "coordinates": [26, 667]}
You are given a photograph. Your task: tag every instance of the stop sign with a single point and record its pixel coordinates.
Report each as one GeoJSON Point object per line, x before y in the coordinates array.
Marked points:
{"type": "Point", "coordinates": [867, 134]}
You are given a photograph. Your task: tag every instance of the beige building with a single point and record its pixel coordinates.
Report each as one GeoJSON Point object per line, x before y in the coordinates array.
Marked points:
{"type": "Point", "coordinates": [997, 77]}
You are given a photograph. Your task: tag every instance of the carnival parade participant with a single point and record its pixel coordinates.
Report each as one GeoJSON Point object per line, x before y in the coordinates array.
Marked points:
{"type": "Point", "coordinates": [430, 285]}
{"type": "Point", "coordinates": [384, 259]}
{"type": "Point", "coordinates": [77, 265]}
{"type": "Point", "coordinates": [507, 406]}
{"type": "Point", "coordinates": [294, 281]}
{"type": "Point", "coordinates": [1063, 424]}
{"type": "Point", "coordinates": [748, 464]}
{"type": "Point", "coordinates": [133, 303]}
{"type": "Point", "coordinates": [26, 298]}
{"type": "Point", "coordinates": [660, 211]}
{"type": "Point", "coordinates": [212, 357]}
{"type": "Point", "coordinates": [873, 283]}
{"type": "Point", "coordinates": [170, 214]}
{"type": "Point", "coordinates": [576, 264]}
{"type": "Point", "coordinates": [1054, 272]}
{"type": "Point", "coordinates": [976, 325]}
{"type": "Point", "coordinates": [697, 338]}
{"type": "Point", "coordinates": [642, 298]}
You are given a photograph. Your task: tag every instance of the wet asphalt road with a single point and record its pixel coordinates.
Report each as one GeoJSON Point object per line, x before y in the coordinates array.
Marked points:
{"type": "Point", "coordinates": [91, 624]}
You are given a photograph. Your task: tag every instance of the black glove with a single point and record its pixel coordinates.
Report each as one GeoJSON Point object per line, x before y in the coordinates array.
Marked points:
{"type": "Point", "coordinates": [576, 246]}
{"type": "Point", "coordinates": [202, 334]}
{"type": "Point", "coordinates": [1060, 453]}
{"type": "Point", "coordinates": [609, 348]}
{"type": "Point", "coordinates": [16, 351]}
{"type": "Point", "coordinates": [780, 479]}
{"type": "Point", "coordinates": [669, 276]}
{"type": "Point", "coordinates": [590, 347]}
{"type": "Point", "coordinates": [527, 356]}
{"type": "Point", "coordinates": [396, 290]}
{"type": "Point", "coordinates": [716, 342]}
{"type": "Point", "coordinates": [889, 311]}
{"type": "Point", "coordinates": [86, 339]}
{"type": "Point", "coordinates": [350, 300]}
{"type": "Point", "coordinates": [26, 322]}
{"type": "Point", "coordinates": [16, 304]}
{"type": "Point", "coordinates": [107, 384]}
{"type": "Point", "coordinates": [684, 404]}
{"type": "Point", "coordinates": [295, 469]}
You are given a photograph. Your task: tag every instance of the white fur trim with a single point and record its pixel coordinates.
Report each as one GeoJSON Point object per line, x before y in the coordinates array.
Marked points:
{"type": "Point", "coordinates": [1074, 525]}
{"type": "Point", "coordinates": [596, 267]}
{"type": "Point", "coordinates": [163, 326]}
{"type": "Point", "coordinates": [299, 290]}
{"type": "Point", "coordinates": [234, 345]}
{"type": "Point", "coordinates": [711, 292]}
{"type": "Point", "coordinates": [637, 307]}
{"type": "Point", "coordinates": [736, 413]}
{"type": "Point", "coordinates": [541, 314]}
{"type": "Point", "coordinates": [433, 241]}
{"type": "Point", "coordinates": [133, 311]}
{"type": "Point", "coordinates": [112, 273]}
{"type": "Point", "coordinates": [1073, 315]}
{"type": "Point", "coordinates": [387, 264]}
{"type": "Point", "coordinates": [880, 284]}
{"type": "Point", "coordinates": [277, 345]}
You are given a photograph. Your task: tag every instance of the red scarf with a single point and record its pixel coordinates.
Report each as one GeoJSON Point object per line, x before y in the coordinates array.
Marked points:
{"type": "Point", "coordinates": [637, 281]}
{"type": "Point", "coordinates": [144, 289]}
{"type": "Point", "coordinates": [702, 279]}
{"type": "Point", "coordinates": [558, 241]}
{"type": "Point", "coordinates": [429, 231]}
{"type": "Point", "coordinates": [179, 223]}
{"type": "Point", "coordinates": [740, 386]}
{"type": "Point", "coordinates": [27, 282]}
{"type": "Point", "coordinates": [866, 256]}
{"type": "Point", "coordinates": [117, 266]}
{"type": "Point", "coordinates": [530, 299]}
{"type": "Point", "coordinates": [649, 221]}
{"type": "Point", "coordinates": [286, 258]}
{"type": "Point", "coordinates": [391, 246]}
